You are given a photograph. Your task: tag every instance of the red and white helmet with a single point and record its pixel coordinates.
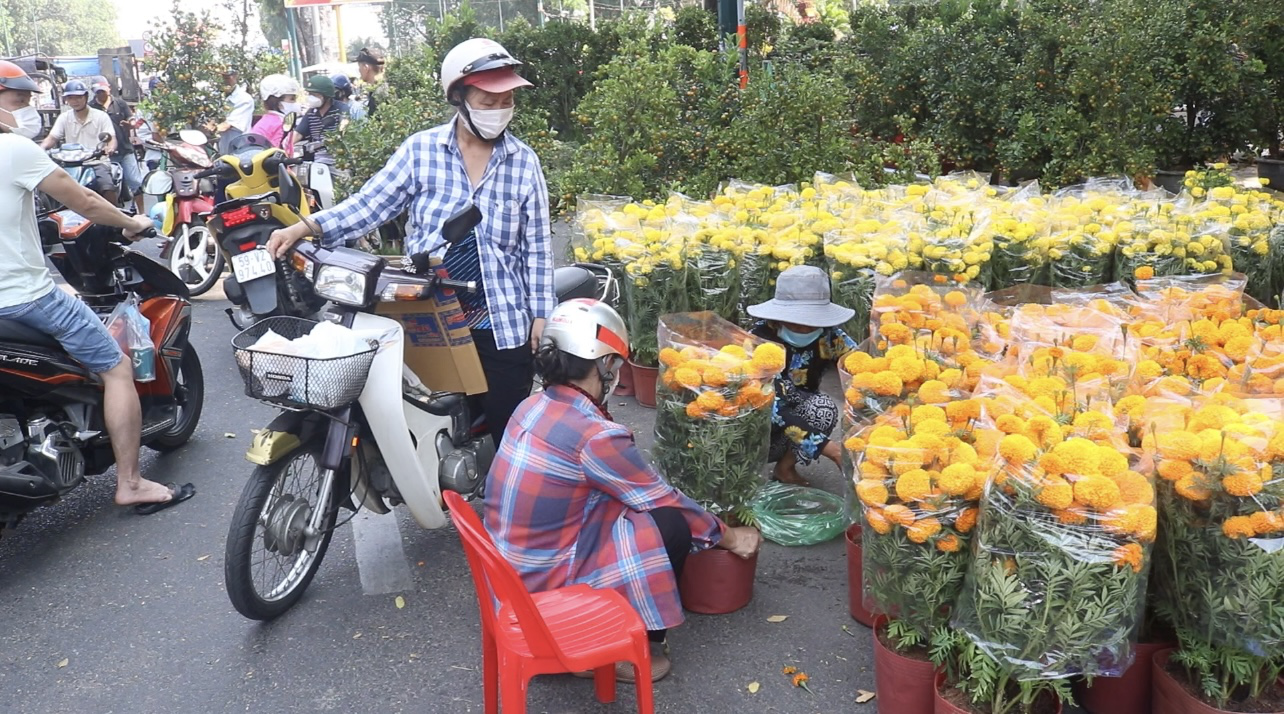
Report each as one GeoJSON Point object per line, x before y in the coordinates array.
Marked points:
{"type": "Point", "coordinates": [482, 63]}
{"type": "Point", "coordinates": [587, 328]}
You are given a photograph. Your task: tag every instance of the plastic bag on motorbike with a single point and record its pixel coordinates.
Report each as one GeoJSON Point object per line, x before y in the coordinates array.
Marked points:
{"type": "Point", "coordinates": [133, 333]}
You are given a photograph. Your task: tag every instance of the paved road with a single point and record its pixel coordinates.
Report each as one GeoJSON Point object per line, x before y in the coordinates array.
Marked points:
{"type": "Point", "coordinates": [104, 611]}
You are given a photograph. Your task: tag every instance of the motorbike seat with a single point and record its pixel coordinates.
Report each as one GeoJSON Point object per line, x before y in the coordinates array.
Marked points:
{"type": "Point", "coordinates": [14, 331]}
{"type": "Point", "coordinates": [574, 282]}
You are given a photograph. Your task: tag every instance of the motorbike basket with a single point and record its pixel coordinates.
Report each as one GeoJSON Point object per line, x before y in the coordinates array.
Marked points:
{"type": "Point", "coordinates": [185, 184]}
{"type": "Point", "coordinates": [297, 382]}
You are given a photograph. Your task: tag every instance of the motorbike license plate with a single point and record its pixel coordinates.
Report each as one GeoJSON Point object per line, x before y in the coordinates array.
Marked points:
{"type": "Point", "coordinates": [252, 265]}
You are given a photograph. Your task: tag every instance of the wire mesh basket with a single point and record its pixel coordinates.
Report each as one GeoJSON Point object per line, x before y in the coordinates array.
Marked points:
{"type": "Point", "coordinates": [299, 382]}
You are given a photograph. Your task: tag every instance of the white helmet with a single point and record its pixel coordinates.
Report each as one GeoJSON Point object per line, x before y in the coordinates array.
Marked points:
{"type": "Point", "coordinates": [478, 55]}
{"type": "Point", "coordinates": [587, 328]}
{"type": "Point", "coordinates": [278, 85]}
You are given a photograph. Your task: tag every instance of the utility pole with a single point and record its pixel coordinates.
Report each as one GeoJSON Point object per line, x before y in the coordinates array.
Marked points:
{"type": "Point", "coordinates": [592, 15]}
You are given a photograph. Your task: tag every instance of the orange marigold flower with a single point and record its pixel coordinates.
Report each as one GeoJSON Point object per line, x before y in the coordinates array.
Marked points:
{"type": "Point", "coordinates": [956, 479]}
{"type": "Point", "coordinates": [1170, 470]}
{"type": "Point", "coordinates": [887, 384]}
{"type": "Point", "coordinates": [1267, 522]}
{"type": "Point", "coordinates": [934, 392]}
{"type": "Point", "coordinates": [1135, 488]}
{"type": "Point", "coordinates": [1193, 487]}
{"type": "Point", "coordinates": [913, 485]}
{"type": "Point", "coordinates": [1243, 484]}
{"type": "Point", "coordinates": [923, 529]}
{"type": "Point", "coordinates": [1097, 492]}
{"type": "Point", "coordinates": [878, 521]}
{"type": "Point", "coordinates": [711, 401]}
{"type": "Point", "coordinates": [1056, 493]}
{"type": "Point", "coordinates": [900, 515]}
{"type": "Point", "coordinates": [687, 377]}
{"type": "Point", "coordinates": [1071, 517]}
{"type": "Point", "coordinates": [695, 411]}
{"type": "Point", "coordinates": [949, 543]}
{"type": "Point", "coordinates": [789, 669]}
{"type": "Point", "coordinates": [800, 679]}
{"type": "Point", "coordinates": [872, 492]}
{"type": "Point", "coordinates": [1130, 554]}
{"type": "Point", "coordinates": [1016, 449]}
{"type": "Point", "coordinates": [670, 357]}
{"type": "Point", "coordinates": [1145, 272]}
{"type": "Point", "coordinates": [966, 520]}
{"type": "Point", "coordinates": [1237, 527]}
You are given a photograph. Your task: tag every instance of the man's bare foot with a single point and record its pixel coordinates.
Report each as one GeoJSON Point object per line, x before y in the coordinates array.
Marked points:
{"type": "Point", "coordinates": [787, 473]}
{"type": "Point", "coordinates": [142, 491]}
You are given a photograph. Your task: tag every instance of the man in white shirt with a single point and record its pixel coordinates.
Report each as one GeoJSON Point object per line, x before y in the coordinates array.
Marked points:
{"type": "Point", "coordinates": [84, 125]}
{"type": "Point", "coordinates": [29, 296]}
{"type": "Point", "coordinates": [242, 115]}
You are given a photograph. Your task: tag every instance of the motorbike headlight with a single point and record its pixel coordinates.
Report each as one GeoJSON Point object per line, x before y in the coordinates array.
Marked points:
{"type": "Point", "coordinates": [341, 285]}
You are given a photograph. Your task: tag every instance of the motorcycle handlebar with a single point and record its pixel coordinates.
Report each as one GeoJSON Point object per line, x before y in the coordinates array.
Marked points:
{"type": "Point", "coordinates": [467, 286]}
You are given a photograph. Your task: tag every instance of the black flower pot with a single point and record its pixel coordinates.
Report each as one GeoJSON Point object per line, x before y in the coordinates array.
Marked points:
{"type": "Point", "coordinates": [1273, 171]}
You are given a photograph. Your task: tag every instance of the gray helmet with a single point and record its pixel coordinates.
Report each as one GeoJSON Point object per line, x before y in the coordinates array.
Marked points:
{"type": "Point", "coordinates": [589, 329]}
{"type": "Point", "coordinates": [75, 88]}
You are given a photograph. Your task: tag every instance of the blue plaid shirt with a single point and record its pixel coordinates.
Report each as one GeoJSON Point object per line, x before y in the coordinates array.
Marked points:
{"type": "Point", "coordinates": [427, 175]}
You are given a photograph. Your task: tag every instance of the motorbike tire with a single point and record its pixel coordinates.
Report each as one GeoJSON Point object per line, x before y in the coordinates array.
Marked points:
{"type": "Point", "coordinates": [248, 533]}
{"type": "Point", "coordinates": [189, 415]}
{"type": "Point", "coordinates": [175, 256]}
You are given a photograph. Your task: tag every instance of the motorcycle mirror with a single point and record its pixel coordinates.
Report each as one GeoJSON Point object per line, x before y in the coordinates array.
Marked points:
{"type": "Point", "coordinates": [193, 137]}
{"type": "Point", "coordinates": [459, 225]}
{"type": "Point", "coordinates": [104, 137]}
{"type": "Point", "coordinates": [290, 191]}
{"type": "Point", "coordinates": [287, 125]}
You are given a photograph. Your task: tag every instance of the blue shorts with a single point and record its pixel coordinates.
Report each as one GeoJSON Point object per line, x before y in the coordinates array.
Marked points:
{"type": "Point", "coordinates": [132, 173]}
{"type": "Point", "coordinates": [71, 322]}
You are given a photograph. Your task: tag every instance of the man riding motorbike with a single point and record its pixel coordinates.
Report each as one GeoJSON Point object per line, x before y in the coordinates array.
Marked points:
{"type": "Point", "coordinates": [242, 114]}
{"type": "Point", "coordinates": [83, 125]}
{"type": "Point", "coordinates": [325, 114]}
{"type": "Point", "coordinates": [28, 294]}
{"type": "Point", "coordinates": [343, 91]}
{"type": "Point", "coordinates": [120, 113]}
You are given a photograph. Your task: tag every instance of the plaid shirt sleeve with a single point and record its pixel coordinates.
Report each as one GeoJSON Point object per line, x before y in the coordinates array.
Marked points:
{"type": "Point", "coordinates": [539, 236]}
{"type": "Point", "coordinates": [380, 200]}
{"type": "Point", "coordinates": [613, 463]}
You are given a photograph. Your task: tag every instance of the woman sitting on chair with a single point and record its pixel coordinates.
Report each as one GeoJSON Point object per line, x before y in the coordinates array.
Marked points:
{"type": "Point", "coordinates": [571, 499]}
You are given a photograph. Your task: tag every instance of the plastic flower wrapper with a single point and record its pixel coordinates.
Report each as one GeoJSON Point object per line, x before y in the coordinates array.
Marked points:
{"type": "Point", "coordinates": [595, 216]}
{"type": "Point", "coordinates": [1221, 558]}
{"type": "Point", "coordinates": [654, 284]}
{"type": "Point", "coordinates": [920, 300]}
{"type": "Point", "coordinates": [858, 254]}
{"type": "Point", "coordinates": [951, 237]}
{"type": "Point", "coordinates": [918, 484]}
{"type": "Point", "coordinates": [1057, 583]}
{"type": "Point", "coordinates": [874, 381]}
{"type": "Point", "coordinates": [714, 410]}
{"type": "Point", "coordinates": [1193, 297]}
{"type": "Point", "coordinates": [710, 253]}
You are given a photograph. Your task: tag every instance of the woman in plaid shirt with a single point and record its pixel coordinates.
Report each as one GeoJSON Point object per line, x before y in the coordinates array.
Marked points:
{"type": "Point", "coordinates": [570, 499]}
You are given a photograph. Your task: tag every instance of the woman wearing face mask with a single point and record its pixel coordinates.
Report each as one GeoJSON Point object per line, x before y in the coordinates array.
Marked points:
{"type": "Point", "coordinates": [470, 160]}
{"type": "Point", "coordinates": [802, 318]}
{"type": "Point", "coordinates": [570, 499]}
{"type": "Point", "coordinates": [16, 90]}
{"type": "Point", "coordinates": [280, 97]}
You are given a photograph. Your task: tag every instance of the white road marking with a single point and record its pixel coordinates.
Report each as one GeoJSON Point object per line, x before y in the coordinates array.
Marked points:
{"type": "Point", "coordinates": [381, 561]}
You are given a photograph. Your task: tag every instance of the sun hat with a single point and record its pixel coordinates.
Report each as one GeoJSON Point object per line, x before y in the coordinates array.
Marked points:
{"type": "Point", "coordinates": [802, 298]}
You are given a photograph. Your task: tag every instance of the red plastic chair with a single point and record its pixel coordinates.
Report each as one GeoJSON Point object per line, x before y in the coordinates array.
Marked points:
{"type": "Point", "coordinates": [571, 629]}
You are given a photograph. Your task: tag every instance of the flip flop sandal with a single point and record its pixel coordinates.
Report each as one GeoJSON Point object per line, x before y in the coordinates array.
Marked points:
{"type": "Point", "coordinates": [178, 494]}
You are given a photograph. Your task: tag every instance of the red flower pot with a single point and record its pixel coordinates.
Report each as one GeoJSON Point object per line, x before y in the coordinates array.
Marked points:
{"type": "Point", "coordinates": [856, 578]}
{"type": "Point", "coordinates": [1125, 694]}
{"type": "Point", "coordinates": [644, 383]}
{"type": "Point", "coordinates": [905, 685]}
{"type": "Point", "coordinates": [1170, 696]}
{"type": "Point", "coordinates": [945, 706]}
{"type": "Point", "coordinates": [717, 581]}
{"type": "Point", "coordinates": [625, 387]}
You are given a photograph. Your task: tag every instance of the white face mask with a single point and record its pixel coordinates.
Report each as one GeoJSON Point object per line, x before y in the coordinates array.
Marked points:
{"type": "Point", "coordinates": [315, 102]}
{"type": "Point", "coordinates": [290, 107]}
{"type": "Point", "coordinates": [26, 122]}
{"type": "Point", "coordinates": [489, 123]}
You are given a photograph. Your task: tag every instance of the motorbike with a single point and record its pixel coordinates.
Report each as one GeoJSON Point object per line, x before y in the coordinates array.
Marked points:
{"type": "Point", "coordinates": [355, 432]}
{"type": "Point", "coordinates": [187, 244]}
{"type": "Point", "coordinates": [262, 195]}
{"type": "Point", "coordinates": [77, 160]}
{"type": "Point", "coordinates": [52, 428]}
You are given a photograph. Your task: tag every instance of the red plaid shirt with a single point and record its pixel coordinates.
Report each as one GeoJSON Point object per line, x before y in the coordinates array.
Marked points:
{"type": "Point", "coordinates": [566, 503]}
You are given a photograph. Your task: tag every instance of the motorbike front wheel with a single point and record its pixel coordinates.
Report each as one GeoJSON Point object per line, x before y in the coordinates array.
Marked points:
{"type": "Point", "coordinates": [271, 558]}
{"type": "Point", "coordinates": [195, 257]}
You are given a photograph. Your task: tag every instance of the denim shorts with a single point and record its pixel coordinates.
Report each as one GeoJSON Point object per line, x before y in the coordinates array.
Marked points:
{"type": "Point", "coordinates": [73, 324]}
{"type": "Point", "coordinates": [131, 172]}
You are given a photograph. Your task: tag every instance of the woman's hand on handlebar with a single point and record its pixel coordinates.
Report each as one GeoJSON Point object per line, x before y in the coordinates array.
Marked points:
{"type": "Point", "coordinates": [138, 226]}
{"type": "Point", "coordinates": [282, 239]}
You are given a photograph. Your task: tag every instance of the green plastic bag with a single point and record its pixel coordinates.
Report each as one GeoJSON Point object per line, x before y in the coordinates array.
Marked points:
{"type": "Point", "coordinates": [798, 515]}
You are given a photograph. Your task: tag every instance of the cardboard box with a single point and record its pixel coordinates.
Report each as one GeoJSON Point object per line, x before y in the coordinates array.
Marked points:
{"type": "Point", "coordinates": [439, 345]}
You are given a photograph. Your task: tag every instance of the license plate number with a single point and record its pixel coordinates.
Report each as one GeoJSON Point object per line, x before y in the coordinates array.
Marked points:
{"type": "Point", "coordinates": [252, 265]}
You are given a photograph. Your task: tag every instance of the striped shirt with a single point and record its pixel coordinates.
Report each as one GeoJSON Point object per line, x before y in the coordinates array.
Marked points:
{"type": "Point", "coordinates": [427, 176]}
{"type": "Point", "coordinates": [462, 262]}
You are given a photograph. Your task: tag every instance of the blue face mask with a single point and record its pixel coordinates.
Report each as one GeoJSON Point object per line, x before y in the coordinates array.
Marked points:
{"type": "Point", "coordinates": [799, 339]}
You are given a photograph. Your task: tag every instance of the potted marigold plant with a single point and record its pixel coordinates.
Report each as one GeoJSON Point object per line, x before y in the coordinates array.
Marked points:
{"type": "Point", "coordinates": [1221, 564]}
{"type": "Point", "coordinates": [712, 430]}
{"type": "Point", "coordinates": [917, 481]}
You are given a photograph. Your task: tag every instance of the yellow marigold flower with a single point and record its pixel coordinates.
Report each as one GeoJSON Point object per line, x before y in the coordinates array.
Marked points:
{"type": "Point", "coordinates": [1134, 488]}
{"type": "Point", "coordinates": [926, 412]}
{"type": "Point", "coordinates": [920, 531]}
{"type": "Point", "coordinates": [1243, 484]}
{"type": "Point", "coordinates": [964, 454]}
{"type": "Point", "coordinates": [735, 351]}
{"type": "Point", "coordinates": [1130, 555]}
{"type": "Point", "coordinates": [949, 543]}
{"type": "Point", "coordinates": [933, 428]}
{"type": "Point", "coordinates": [1081, 457]}
{"type": "Point", "coordinates": [1010, 424]}
{"type": "Point", "coordinates": [913, 485]}
{"type": "Point", "coordinates": [871, 492]}
{"type": "Point", "coordinates": [900, 515]}
{"type": "Point", "coordinates": [715, 376]}
{"type": "Point", "coordinates": [695, 411]}
{"type": "Point", "coordinates": [1193, 487]}
{"type": "Point", "coordinates": [1237, 527]}
{"type": "Point", "coordinates": [878, 521]}
{"type": "Point", "coordinates": [956, 479]}
{"type": "Point", "coordinates": [1097, 492]}
{"type": "Point", "coordinates": [934, 392]}
{"type": "Point", "coordinates": [670, 357]}
{"type": "Point", "coordinates": [1016, 449]}
{"type": "Point", "coordinates": [907, 369]}
{"type": "Point", "coordinates": [1145, 272]}
{"type": "Point", "coordinates": [1138, 520]}
{"type": "Point", "coordinates": [711, 401]}
{"type": "Point", "coordinates": [966, 520]}
{"type": "Point", "coordinates": [1179, 445]}
{"type": "Point", "coordinates": [1170, 470]}
{"type": "Point", "coordinates": [687, 377]}
{"type": "Point", "coordinates": [887, 384]}
{"type": "Point", "coordinates": [872, 469]}
{"type": "Point", "coordinates": [856, 362]}
{"type": "Point", "coordinates": [896, 333]}
{"type": "Point", "coordinates": [1112, 463]}
{"type": "Point", "coordinates": [1056, 493]}
{"type": "Point", "coordinates": [854, 444]}
{"type": "Point", "coordinates": [1149, 370]}
{"type": "Point", "coordinates": [769, 357]}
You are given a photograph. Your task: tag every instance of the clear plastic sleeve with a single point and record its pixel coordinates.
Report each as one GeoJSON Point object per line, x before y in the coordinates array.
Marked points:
{"type": "Point", "coordinates": [797, 515]}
